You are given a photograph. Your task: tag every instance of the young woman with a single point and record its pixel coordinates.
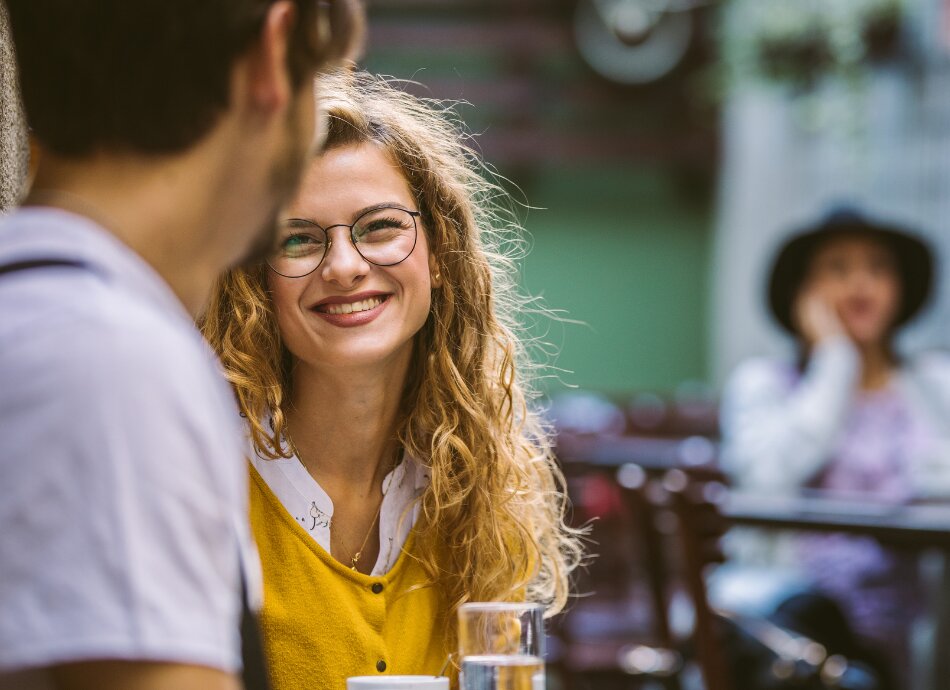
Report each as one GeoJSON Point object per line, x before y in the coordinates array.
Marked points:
{"type": "Point", "coordinates": [397, 469]}
{"type": "Point", "coordinates": [851, 417]}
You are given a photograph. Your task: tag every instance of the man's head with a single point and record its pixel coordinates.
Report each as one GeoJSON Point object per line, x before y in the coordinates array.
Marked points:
{"type": "Point", "coordinates": [222, 87]}
{"type": "Point", "coordinates": [153, 76]}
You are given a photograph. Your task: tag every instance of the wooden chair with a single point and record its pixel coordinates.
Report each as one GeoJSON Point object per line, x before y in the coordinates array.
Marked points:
{"type": "Point", "coordinates": [632, 658]}
{"type": "Point", "coordinates": [694, 497]}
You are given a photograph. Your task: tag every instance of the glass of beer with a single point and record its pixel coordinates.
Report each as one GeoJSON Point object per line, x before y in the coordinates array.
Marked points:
{"type": "Point", "coordinates": [501, 646]}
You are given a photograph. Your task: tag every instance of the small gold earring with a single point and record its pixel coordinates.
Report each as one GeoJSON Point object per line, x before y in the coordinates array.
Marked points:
{"type": "Point", "coordinates": [437, 277]}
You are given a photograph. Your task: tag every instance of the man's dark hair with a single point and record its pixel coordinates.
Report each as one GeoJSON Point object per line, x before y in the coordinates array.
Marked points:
{"type": "Point", "coordinates": [151, 76]}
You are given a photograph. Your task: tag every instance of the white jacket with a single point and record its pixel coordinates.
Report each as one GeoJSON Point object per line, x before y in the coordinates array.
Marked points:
{"type": "Point", "coordinates": [779, 432]}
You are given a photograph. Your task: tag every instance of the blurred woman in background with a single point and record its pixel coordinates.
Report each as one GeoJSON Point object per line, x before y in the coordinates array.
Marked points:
{"type": "Point", "coordinates": [397, 468]}
{"type": "Point", "coordinates": [851, 416]}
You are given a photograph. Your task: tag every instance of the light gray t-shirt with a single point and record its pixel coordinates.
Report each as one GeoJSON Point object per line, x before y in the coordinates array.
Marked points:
{"type": "Point", "coordinates": [123, 488]}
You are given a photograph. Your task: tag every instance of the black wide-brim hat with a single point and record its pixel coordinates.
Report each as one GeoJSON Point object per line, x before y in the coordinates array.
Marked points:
{"type": "Point", "coordinates": [914, 257]}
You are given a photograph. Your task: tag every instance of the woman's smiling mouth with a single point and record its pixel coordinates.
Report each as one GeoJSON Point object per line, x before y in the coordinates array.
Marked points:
{"type": "Point", "coordinates": [364, 305]}
{"type": "Point", "coordinates": [355, 310]}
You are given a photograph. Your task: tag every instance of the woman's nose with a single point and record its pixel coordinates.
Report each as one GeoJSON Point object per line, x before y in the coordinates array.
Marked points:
{"type": "Point", "coordinates": [343, 264]}
{"type": "Point", "coordinates": [863, 278]}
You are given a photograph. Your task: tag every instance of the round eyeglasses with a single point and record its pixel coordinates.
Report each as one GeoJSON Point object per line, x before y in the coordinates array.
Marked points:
{"type": "Point", "coordinates": [384, 236]}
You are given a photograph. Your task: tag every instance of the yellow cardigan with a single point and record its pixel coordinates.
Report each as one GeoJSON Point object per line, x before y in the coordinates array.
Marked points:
{"type": "Point", "coordinates": [323, 622]}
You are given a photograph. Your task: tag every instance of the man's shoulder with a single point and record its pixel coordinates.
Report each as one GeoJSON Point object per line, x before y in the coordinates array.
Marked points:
{"type": "Point", "coordinates": [103, 365]}
{"type": "Point", "coordinates": [72, 278]}
{"type": "Point", "coordinates": [79, 324]}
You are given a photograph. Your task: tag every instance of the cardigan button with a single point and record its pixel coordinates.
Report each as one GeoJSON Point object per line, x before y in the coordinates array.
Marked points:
{"type": "Point", "coordinates": [380, 665]}
{"type": "Point", "coordinates": [377, 587]}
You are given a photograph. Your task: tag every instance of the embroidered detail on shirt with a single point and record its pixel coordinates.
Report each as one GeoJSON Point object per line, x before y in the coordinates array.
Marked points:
{"type": "Point", "coordinates": [389, 556]}
{"type": "Point", "coordinates": [320, 519]}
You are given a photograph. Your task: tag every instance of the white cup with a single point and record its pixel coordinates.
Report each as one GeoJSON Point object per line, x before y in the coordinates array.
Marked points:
{"type": "Point", "coordinates": [397, 683]}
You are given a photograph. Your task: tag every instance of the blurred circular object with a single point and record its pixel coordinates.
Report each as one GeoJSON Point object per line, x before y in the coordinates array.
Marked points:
{"type": "Point", "coordinates": [632, 22]}
{"type": "Point", "coordinates": [642, 660]}
{"type": "Point", "coordinates": [696, 450]}
{"type": "Point", "coordinates": [631, 476]}
{"type": "Point", "coordinates": [600, 498]}
{"type": "Point", "coordinates": [629, 42]}
{"type": "Point", "coordinates": [834, 669]}
{"type": "Point", "coordinates": [814, 654]}
{"type": "Point", "coordinates": [675, 481]}
{"type": "Point", "coordinates": [639, 660]}
{"type": "Point", "coordinates": [584, 412]}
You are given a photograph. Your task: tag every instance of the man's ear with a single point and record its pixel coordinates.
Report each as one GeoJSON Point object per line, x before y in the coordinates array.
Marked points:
{"type": "Point", "coordinates": [268, 75]}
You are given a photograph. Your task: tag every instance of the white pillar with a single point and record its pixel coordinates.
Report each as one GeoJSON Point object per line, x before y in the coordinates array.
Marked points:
{"type": "Point", "coordinates": [884, 148]}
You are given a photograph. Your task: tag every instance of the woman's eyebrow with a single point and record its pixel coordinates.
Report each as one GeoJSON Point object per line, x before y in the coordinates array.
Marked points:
{"type": "Point", "coordinates": [301, 222]}
{"type": "Point", "coordinates": [383, 204]}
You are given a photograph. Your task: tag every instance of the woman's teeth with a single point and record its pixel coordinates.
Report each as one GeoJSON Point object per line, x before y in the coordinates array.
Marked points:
{"type": "Point", "coordinates": [365, 305]}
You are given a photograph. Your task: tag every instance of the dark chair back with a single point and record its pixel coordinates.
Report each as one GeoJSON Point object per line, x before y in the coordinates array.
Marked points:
{"type": "Point", "coordinates": [694, 497]}
{"type": "Point", "coordinates": [646, 653]}
{"type": "Point", "coordinates": [639, 494]}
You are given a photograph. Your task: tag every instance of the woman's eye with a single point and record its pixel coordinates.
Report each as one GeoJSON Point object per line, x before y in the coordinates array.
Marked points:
{"type": "Point", "coordinates": [301, 243]}
{"type": "Point", "coordinates": [384, 223]}
{"type": "Point", "coordinates": [380, 228]}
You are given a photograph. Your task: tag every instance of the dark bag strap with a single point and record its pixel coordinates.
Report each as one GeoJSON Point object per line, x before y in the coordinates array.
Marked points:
{"type": "Point", "coordinates": [39, 263]}
{"type": "Point", "coordinates": [255, 674]}
{"type": "Point", "coordinates": [252, 652]}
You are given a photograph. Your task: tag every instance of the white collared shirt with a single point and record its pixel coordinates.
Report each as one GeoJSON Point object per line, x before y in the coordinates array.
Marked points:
{"type": "Point", "coordinates": [306, 501]}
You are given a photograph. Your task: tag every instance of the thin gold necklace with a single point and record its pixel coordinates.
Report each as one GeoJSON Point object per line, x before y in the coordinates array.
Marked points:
{"type": "Point", "coordinates": [354, 558]}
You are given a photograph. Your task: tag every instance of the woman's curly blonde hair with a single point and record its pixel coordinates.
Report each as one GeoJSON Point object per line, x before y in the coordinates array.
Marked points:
{"type": "Point", "coordinates": [492, 521]}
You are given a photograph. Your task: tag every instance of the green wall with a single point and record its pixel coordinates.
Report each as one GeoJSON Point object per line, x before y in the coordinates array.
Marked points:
{"type": "Point", "coordinates": [625, 251]}
{"type": "Point", "coordinates": [622, 247]}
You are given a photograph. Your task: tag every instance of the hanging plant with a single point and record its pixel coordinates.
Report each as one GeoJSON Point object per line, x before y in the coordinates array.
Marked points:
{"type": "Point", "coordinates": [799, 42]}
